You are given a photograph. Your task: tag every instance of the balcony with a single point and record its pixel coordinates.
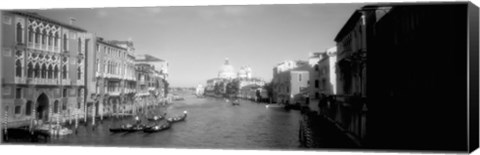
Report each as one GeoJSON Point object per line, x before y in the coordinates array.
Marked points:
{"type": "Point", "coordinates": [20, 80]}
{"type": "Point", "coordinates": [37, 46]}
{"type": "Point", "coordinates": [30, 45]}
{"type": "Point", "coordinates": [39, 81]}
{"type": "Point", "coordinates": [65, 82]}
{"type": "Point", "coordinates": [114, 93]}
{"type": "Point", "coordinates": [80, 82]}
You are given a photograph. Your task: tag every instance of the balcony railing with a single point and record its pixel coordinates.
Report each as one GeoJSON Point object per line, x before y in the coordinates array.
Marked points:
{"type": "Point", "coordinates": [20, 80]}
{"type": "Point", "coordinates": [30, 45]}
{"type": "Point", "coordinates": [37, 46]}
{"type": "Point", "coordinates": [40, 81]}
{"type": "Point", "coordinates": [80, 82]}
{"type": "Point", "coordinates": [65, 82]}
{"type": "Point", "coordinates": [114, 93]}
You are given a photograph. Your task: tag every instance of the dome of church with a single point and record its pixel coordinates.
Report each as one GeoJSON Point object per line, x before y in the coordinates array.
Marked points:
{"type": "Point", "coordinates": [226, 71]}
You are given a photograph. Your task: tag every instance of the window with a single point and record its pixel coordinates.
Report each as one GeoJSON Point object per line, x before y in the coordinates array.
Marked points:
{"type": "Point", "coordinates": [79, 70]}
{"type": "Point", "coordinates": [44, 37]}
{"type": "Point", "coordinates": [50, 39]}
{"type": "Point", "coordinates": [50, 70]}
{"type": "Point", "coordinates": [64, 105]}
{"type": "Point", "coordinates": [30, 70]}
{"type": "Point", "coordinates": [37, 70]}
{"type": "Point", "coordinates": [55, 107]}
{"type": "Point", "coordinates": [79, 105]}
{"type": "Point", "coordinates": [30, 34]}
{"type": "Point", "coordinates": [44, 71]}
{"type": "Point", "coordinates": [317, 95]}
{"type": "Point", "coordinates": [65, 42]}
{"type": "Point", "coordinates": [18, 93]}
{"type": "Point", "coordinates": [317, 83]}
{"type": "Point", "coordinates": [28, 108]}
{"type": "Point", "coordinates": [55, 72]}
{"type": "Point", "coordinates": [18, 109]}
{"type": "Point", "coordinates": [299, 77]}
{"type": "Point", "coordinates": [64, 94]}
{"type": "Point", "coordinates": [19, 33]}
{"type": "Point", "coordinates": [37, 35]}
{"type": "Point", "coordinates": [79, 45]}
{"type": "Point", "coordinates": [18, 68]}
{"type": "Point", "coordinates": [316, 67]}
{"type": "Point", "coordinates": [56, 40]}
{"type": "Point", "coordinates": [64, 72]}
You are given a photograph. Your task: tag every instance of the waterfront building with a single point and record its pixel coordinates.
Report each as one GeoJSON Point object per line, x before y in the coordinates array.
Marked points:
{"type": "Point", "coordinates": [290, 78]}
{"type": "Point", "coordinates": [43, 76]}
{"type": "Point", "coordinates": [245, 72]}
{"type": "Point", "coordinates": [226, 71]}
{"type": "Point", "coordinates": [151, 83]}
{"type": "Point", "coordinates": [349, 109]}
{"type": "Point", "coordinates": [313, 92]}
{"type": "Point", "coordinates": [113, 86]}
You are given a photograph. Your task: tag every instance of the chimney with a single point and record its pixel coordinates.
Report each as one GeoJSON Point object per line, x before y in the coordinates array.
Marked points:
{"type": "Point", "coordinates": [72, 20]}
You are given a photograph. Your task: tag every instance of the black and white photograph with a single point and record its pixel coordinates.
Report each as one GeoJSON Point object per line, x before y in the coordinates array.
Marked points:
{"type": "Point", "coordinates": [269, 77]}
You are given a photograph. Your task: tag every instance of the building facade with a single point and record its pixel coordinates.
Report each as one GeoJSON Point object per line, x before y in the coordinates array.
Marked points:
{"type": "Point", "coordinates": [290, 78]}
{"type": "Point", "coordinates": [47, 81]}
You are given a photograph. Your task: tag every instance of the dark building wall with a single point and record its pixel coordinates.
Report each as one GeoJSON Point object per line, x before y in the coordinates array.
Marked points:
{"type": "Point", "coordinates": [417, 60]}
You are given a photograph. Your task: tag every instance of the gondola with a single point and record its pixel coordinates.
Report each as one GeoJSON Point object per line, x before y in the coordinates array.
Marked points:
{"type": "Point", "coordinates": [157, 118]}
{"type": "Point", "coordinates": [123, 128]}
{"type": "Point", "coordinates": [178, 118]}
{"type": "Point", "coordinates": [157, 128]}
{"type": "Point", "coordinates": [135, 128]}
{"type": "Point", "coordinates": [236, 102]}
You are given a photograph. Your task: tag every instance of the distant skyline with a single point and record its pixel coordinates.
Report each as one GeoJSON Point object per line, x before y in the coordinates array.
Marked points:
{"type": "Point", "coordinates": [195, 40]}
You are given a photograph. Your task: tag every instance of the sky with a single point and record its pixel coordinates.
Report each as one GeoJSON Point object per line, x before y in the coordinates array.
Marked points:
{"type": "Point", "coordinates": [195, 40]}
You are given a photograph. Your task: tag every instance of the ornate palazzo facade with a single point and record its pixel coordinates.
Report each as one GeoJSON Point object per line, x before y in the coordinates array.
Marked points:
{"type": "Point", "coordinates": [42, 69]}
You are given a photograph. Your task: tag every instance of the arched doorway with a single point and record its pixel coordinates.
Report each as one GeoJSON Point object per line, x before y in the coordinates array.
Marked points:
{"type": "Point", "coordinates": [42, 109]}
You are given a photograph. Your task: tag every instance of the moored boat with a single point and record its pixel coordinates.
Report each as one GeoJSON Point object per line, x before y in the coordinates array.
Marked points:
{"type": "Point", "coordinates": [157, 128]}
{"type": "Point", "coordinates": [157, 118]}
{"type": "Point", "coordinates": [178, 118]}
{"type": "Point", "coordinates": [123, 128]}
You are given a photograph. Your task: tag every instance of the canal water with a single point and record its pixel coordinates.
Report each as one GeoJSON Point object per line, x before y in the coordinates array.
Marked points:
{"type": "Point", "coordinates": [211, 123]}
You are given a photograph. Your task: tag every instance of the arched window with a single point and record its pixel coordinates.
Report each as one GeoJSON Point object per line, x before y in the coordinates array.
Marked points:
{"type": "Point", "coordinates": [79, 72]}
{"type": "Point", "coordinates": [64, 71]}
{"type": "Point", "coordinates": [55, 40]}
{"type": "Point", "coordinates": [64, 105]}
{"type": "Point", "coordinates": [50, 39]}
{"type": "Point", "coordinates": [79, 45]}
{"type": "Point", "coordinates": [55, 107]}
{"type": "Point", "coordinates": [65, 42]}
{"type": "Point", "coordinates": [37, 35]}
{"type": "Point", "coordinates": [44, 71]}
{"type": "Point", "coordinates": [19, 33]}
{"type": "Point", "coordinates": [44, 37]}
{"type": "Point", "coordinates": [28, 108]}
{"type": "Point", "coordinates": [30, 70]}
{"type": "Point", "coordinates": [18, 68]}
{"type": "Point", "coordinates": [55, 72]}
{"type": "Point", "coordinates": [37, 70]}
{"type": "Point", "coordinates": [50, 71]}
{"type": "Point", "coordinates": [30, 34]}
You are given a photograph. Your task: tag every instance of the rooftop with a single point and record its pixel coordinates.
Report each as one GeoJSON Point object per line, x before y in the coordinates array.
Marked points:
{"type": "Point", "coordinates": [39, 17]}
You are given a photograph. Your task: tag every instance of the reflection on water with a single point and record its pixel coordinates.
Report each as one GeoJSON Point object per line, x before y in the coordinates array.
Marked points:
{"type": "Point", "coordinates": [211, 123]}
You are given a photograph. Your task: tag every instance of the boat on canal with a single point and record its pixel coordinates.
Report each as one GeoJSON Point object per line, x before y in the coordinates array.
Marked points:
{"type": "Point", "coordinates": [157, 128]}
{"type": "Point", "coordinates": [177, 118]}
{"type": "Point", "coordinates": [157, 118]}
{"type": "Point", "coordinates": [235, 102]}
{"type": "Point", "coordinates": [128, 128]}
{"type": "Point", "coordinates": [54, 129]}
